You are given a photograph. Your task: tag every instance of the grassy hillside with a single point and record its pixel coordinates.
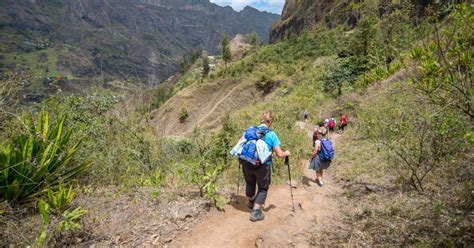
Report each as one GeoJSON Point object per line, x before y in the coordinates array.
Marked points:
{"type": "Point", "coordinates": [405, 161]}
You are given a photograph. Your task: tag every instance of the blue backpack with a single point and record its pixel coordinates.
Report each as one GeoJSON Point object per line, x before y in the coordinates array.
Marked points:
{"type": "Point", "coordinates": [327, 152]}
{"type": "Point", "coordinates": [249, 151]}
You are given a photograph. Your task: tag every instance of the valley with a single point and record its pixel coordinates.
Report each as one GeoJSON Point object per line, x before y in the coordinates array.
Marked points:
{"type": "Point", "coordinates": [121, 165]}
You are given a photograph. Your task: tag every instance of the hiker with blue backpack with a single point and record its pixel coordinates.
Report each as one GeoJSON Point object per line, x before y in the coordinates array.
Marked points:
{"type": "Point", "coordinates": [254, 151]}
{"type": "Point", "coordinates": [321, 156]}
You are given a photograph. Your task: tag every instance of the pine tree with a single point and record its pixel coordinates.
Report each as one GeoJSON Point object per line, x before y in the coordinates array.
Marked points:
{"type": "Point", "coordinates": [183, 62]}
{"type": "Point", "coordinates": [226, 54]}
{"type": "Point", "coordinates": [205, 64]}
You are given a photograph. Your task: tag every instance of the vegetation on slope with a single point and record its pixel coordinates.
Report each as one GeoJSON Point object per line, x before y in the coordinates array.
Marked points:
{"type": "Point", "coordinates": [410, 141]}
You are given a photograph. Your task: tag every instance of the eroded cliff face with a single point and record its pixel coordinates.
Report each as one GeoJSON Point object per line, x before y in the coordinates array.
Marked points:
{"type": "Point", "coordinates": [301, 15]}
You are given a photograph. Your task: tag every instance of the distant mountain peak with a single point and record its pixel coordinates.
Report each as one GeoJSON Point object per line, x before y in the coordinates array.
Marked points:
{"type": "Point", "coordinates": [250, 8]}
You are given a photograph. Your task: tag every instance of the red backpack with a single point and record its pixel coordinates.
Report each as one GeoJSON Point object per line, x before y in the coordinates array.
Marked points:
{"type": "Point", "coordinates": [343, 120]}
{"type": "Point", "coordinates": [332, 123]}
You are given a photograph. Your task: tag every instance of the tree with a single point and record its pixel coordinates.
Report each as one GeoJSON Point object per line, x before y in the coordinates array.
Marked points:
{"type": "Point", "coordinates": [364, 40]}
{"type": "Point", "coordinates": [195, 54]}
{"type": "Point", "coordinates": [344, 70]}
{"type": "Point", "coordinates": [205, 64]}
{"type": "Point", "coordinates": [183, 62]}
{"type": "Point", "coordinates": [226, 54]}
{"type": "Point", "coordinates": [253, 39]}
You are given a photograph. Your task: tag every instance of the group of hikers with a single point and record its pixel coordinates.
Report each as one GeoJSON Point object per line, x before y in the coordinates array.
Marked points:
{"type": "Point", "coordinates": [329, 123]}
{"type": "Point", "coordinates": [254, 152]}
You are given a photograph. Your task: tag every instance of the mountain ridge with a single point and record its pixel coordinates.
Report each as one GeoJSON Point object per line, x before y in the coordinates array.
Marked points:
{"type": "Point", "coordinates": [139, 40]}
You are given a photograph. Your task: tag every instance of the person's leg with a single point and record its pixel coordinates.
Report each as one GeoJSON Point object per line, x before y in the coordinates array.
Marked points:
{"type": "Point", "coordinates": [263, 181]}
{"type": "Point", "coordinates": [250, 183]}
{"type": "Point", "coordinates": [319, 173]}
{"type": "Point", "coordinates": [319, 176]}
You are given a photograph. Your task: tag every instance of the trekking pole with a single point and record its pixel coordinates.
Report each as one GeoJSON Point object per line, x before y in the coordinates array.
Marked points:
{"type": "Point", "coordinates": [287, 162]}
{"type": "Point", "coordinates": [238, 180]}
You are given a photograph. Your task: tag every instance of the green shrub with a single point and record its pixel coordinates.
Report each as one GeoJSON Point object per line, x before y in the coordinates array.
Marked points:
{"type": "Point", "coordinates": [70, 220]}
{"type": "Point", "coordinates": [60, 200]}
{"type": "Point", "coordinates": [443, 68]}
{"type": "Point", "coordinates": [160, 95]}
{"type": "Point", "coordinates": [64, 222]}
{"type": "Point", "coordinates": [38, 160]}
{"type": "Point", "coordinates": [183, 115]}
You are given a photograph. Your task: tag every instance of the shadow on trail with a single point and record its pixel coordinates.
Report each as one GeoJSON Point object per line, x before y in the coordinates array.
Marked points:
{"type": "Point", "coordinates": [307, 180]}
{"type": "Point", "coordinates": [239, 202]}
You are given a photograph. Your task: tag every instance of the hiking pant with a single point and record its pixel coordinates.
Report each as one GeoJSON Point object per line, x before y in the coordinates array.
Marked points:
{"type": "Point", "coordinates": [342, 126]}
{"type": "Point", "coordinates": [260, 177]}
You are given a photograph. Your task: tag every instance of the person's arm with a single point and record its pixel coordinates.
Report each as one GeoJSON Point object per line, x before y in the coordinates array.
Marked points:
{"type": "Point", "coordinates": [280, 153]}
{"type": "Point", "coordinates": [315, 151]}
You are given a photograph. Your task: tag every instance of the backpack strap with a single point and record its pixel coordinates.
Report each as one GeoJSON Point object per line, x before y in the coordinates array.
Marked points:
{"type": "Point", "coordinates": [264, 130]}
{"type": "Point", "coordinates": [321, 144]}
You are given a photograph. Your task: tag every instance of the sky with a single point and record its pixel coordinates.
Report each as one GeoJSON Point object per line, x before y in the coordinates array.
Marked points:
{"type": "Point", "coordinates": [273, 6]}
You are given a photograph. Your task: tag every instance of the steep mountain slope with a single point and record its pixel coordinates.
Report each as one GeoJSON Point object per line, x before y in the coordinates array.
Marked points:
{"type": "Point", "coordinates": [298, 16]}
{"type": "Point", "coordinates": [139, 40]}
{"type": "Point", "coordinates": [302, 15]}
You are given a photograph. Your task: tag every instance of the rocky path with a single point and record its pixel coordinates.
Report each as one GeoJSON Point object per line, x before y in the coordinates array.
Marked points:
{"type": "Point", "coordinates": [316, 209]}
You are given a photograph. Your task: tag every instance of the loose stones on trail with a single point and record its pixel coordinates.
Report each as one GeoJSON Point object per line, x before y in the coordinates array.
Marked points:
{"type": "Point", "coordinates": [185, 212]}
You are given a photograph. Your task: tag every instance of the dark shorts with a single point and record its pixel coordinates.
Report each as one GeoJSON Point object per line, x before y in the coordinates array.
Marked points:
{"type": "Point", "coordinates": [342, 126]}
{"type": "Point", "coordinates": [317, 164]}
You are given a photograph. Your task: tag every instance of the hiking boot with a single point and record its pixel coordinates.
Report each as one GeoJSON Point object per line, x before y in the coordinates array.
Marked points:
{"type": "Point", "coordinates": [319, 181]}
{"type": "Point", "coordinates": [256, 215]}
{"type": "Point", "coordinates": [251, 204]}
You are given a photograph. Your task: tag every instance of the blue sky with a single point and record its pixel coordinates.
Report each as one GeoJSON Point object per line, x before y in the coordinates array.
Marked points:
{"type": "Point", "coordinates": [274, 6]}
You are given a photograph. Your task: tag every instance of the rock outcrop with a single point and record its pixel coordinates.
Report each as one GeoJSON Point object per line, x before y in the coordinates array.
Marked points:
{"type": "Point", "coordinates": [302, 15]}
{"type": "Point", "coordinates": [299, 15]}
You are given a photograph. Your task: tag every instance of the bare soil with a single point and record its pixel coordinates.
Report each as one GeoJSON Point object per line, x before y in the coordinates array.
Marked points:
{"type": "Point", "coordinates": [206, 104]}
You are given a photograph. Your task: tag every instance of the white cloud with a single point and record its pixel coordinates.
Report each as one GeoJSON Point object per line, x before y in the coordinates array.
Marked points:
{"type": "Point", "coordinates": [240, 4]}
{"type": "Point", "coordinates": [276, 2]}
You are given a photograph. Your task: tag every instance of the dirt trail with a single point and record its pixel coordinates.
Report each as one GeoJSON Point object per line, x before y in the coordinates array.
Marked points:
{"type": "Point", "coordinates": [226, 97]}
{"type": "Point", "coordinates": [281, 227]}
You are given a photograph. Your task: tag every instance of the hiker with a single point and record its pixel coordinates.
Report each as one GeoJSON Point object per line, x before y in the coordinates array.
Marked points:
{"type": "Point", "coordinates": [305, 115]}
{"type": "Point", "coordinates": [343, 123]}
{"type": "Point", "coordinates": [321, 156]}
{"type": "Point", "coordinates": [331, 124]}
{"type": "Point", "coordinates": [326, 123]}
{"type": "Point", "coordinates": [257, 169]}
{"type": "Point", "coordinates": [316, 133]}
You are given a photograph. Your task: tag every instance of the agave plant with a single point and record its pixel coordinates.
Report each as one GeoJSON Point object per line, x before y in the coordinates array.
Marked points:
{"type": "Point", "coordinates": [33, 162]}
{"type": "Point", "coordinates": [60, 200]}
